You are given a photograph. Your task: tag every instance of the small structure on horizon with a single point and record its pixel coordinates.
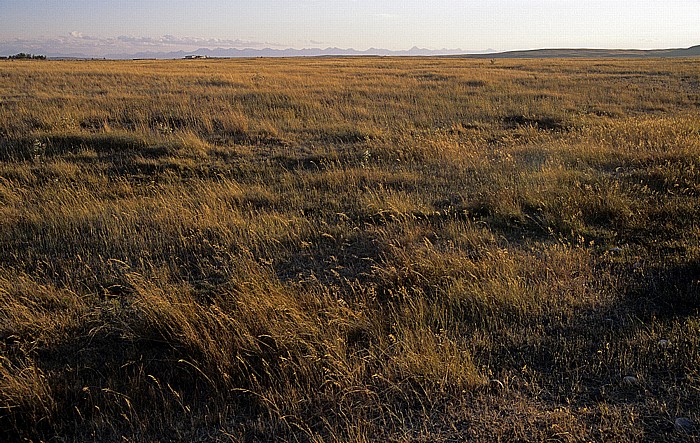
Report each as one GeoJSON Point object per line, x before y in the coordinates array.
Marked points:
{"type": "Point", "coordinates": [194, 57]}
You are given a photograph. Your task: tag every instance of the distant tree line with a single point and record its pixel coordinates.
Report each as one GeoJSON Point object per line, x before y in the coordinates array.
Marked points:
{"type": "Point", "coordinates": [23, 56]}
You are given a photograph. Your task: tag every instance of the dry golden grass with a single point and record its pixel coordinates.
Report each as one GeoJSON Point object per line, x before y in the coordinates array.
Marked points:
{"type": "Point", "coordinates": [348, 250]}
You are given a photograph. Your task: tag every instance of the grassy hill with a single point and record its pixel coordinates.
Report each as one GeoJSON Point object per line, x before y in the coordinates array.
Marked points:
{"type": "Point", "coordinates": [693, 51]}
{"type": "Point", "coordinates": [350, 250]}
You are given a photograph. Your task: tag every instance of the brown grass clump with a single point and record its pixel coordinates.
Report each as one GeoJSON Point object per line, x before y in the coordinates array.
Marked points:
{"type": "Point", "coordinates": [354, 250]}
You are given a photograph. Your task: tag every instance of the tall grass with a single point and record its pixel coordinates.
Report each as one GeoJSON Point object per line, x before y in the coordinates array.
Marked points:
{"type": "Point", "coordinates": [357, 249]}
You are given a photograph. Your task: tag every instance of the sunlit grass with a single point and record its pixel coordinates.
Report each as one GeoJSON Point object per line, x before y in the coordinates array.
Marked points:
{"type": "Point", "coordinates": [360, 249]}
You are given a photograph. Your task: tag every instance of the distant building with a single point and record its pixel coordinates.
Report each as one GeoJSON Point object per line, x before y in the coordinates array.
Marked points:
{"type": "Point", "coordinates": [193, 57]}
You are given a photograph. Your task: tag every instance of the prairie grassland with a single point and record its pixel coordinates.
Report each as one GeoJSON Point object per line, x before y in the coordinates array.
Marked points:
{"type": "Point", "coordinates": [350, 250]}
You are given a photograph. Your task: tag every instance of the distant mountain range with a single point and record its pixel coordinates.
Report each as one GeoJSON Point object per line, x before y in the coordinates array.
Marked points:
{"type": "Point", "coordinates": [415, 52]}
{"type": "Point", "coordinates": [269, 52]}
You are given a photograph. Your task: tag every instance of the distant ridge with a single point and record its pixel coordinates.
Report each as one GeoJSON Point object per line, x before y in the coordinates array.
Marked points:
{"type": "Point", "coordinates": [270, 52]}
{"type": "Point", "coordinates": [693, 51]}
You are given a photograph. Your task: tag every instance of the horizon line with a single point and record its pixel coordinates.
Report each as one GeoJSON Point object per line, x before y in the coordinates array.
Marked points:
{"type": "Point", "coordinates": [327, 51]}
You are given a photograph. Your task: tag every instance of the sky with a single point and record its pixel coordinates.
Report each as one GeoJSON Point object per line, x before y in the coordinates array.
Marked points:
{"type": "Point", "coordinates": [100, 27]}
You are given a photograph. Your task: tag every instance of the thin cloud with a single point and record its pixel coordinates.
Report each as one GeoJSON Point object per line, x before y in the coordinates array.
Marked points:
{"type": "Point", "coordinates": [193, 41]}
{"type": "Point", "coordinates": [76, 42]}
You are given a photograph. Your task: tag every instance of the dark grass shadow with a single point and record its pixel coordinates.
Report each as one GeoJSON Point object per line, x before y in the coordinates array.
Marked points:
{"type": "Point", "coordinates": [333, 262]}
{"type": "Point", "coordinates": [543, 123]}
{"type": "Point", "coordinates": [140, 383]}
{"type": "Point", "coordinates": [665, 295]}
{"type": "Point", "coordinates": [666, 291]}
{"type": "Point", "coordinates": [30, 148]}
{"type": "Point", "coordinates": [343, 135]}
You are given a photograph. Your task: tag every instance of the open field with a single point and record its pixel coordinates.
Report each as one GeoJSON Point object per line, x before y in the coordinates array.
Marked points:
{"type": "Point", "coordinates": [349, 250]}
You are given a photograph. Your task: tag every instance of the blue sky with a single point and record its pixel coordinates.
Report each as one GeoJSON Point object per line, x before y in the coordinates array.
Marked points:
{"type": "Point", "coordinates": [97, 27]}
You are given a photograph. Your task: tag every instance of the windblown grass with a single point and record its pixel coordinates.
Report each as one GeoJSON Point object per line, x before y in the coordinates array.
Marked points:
{"type": "Point", "coordinates": [349, 250]}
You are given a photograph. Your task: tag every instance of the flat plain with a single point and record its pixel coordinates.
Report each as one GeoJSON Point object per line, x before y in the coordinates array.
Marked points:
{"type": "Point", "coordinates": [349, 250]}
